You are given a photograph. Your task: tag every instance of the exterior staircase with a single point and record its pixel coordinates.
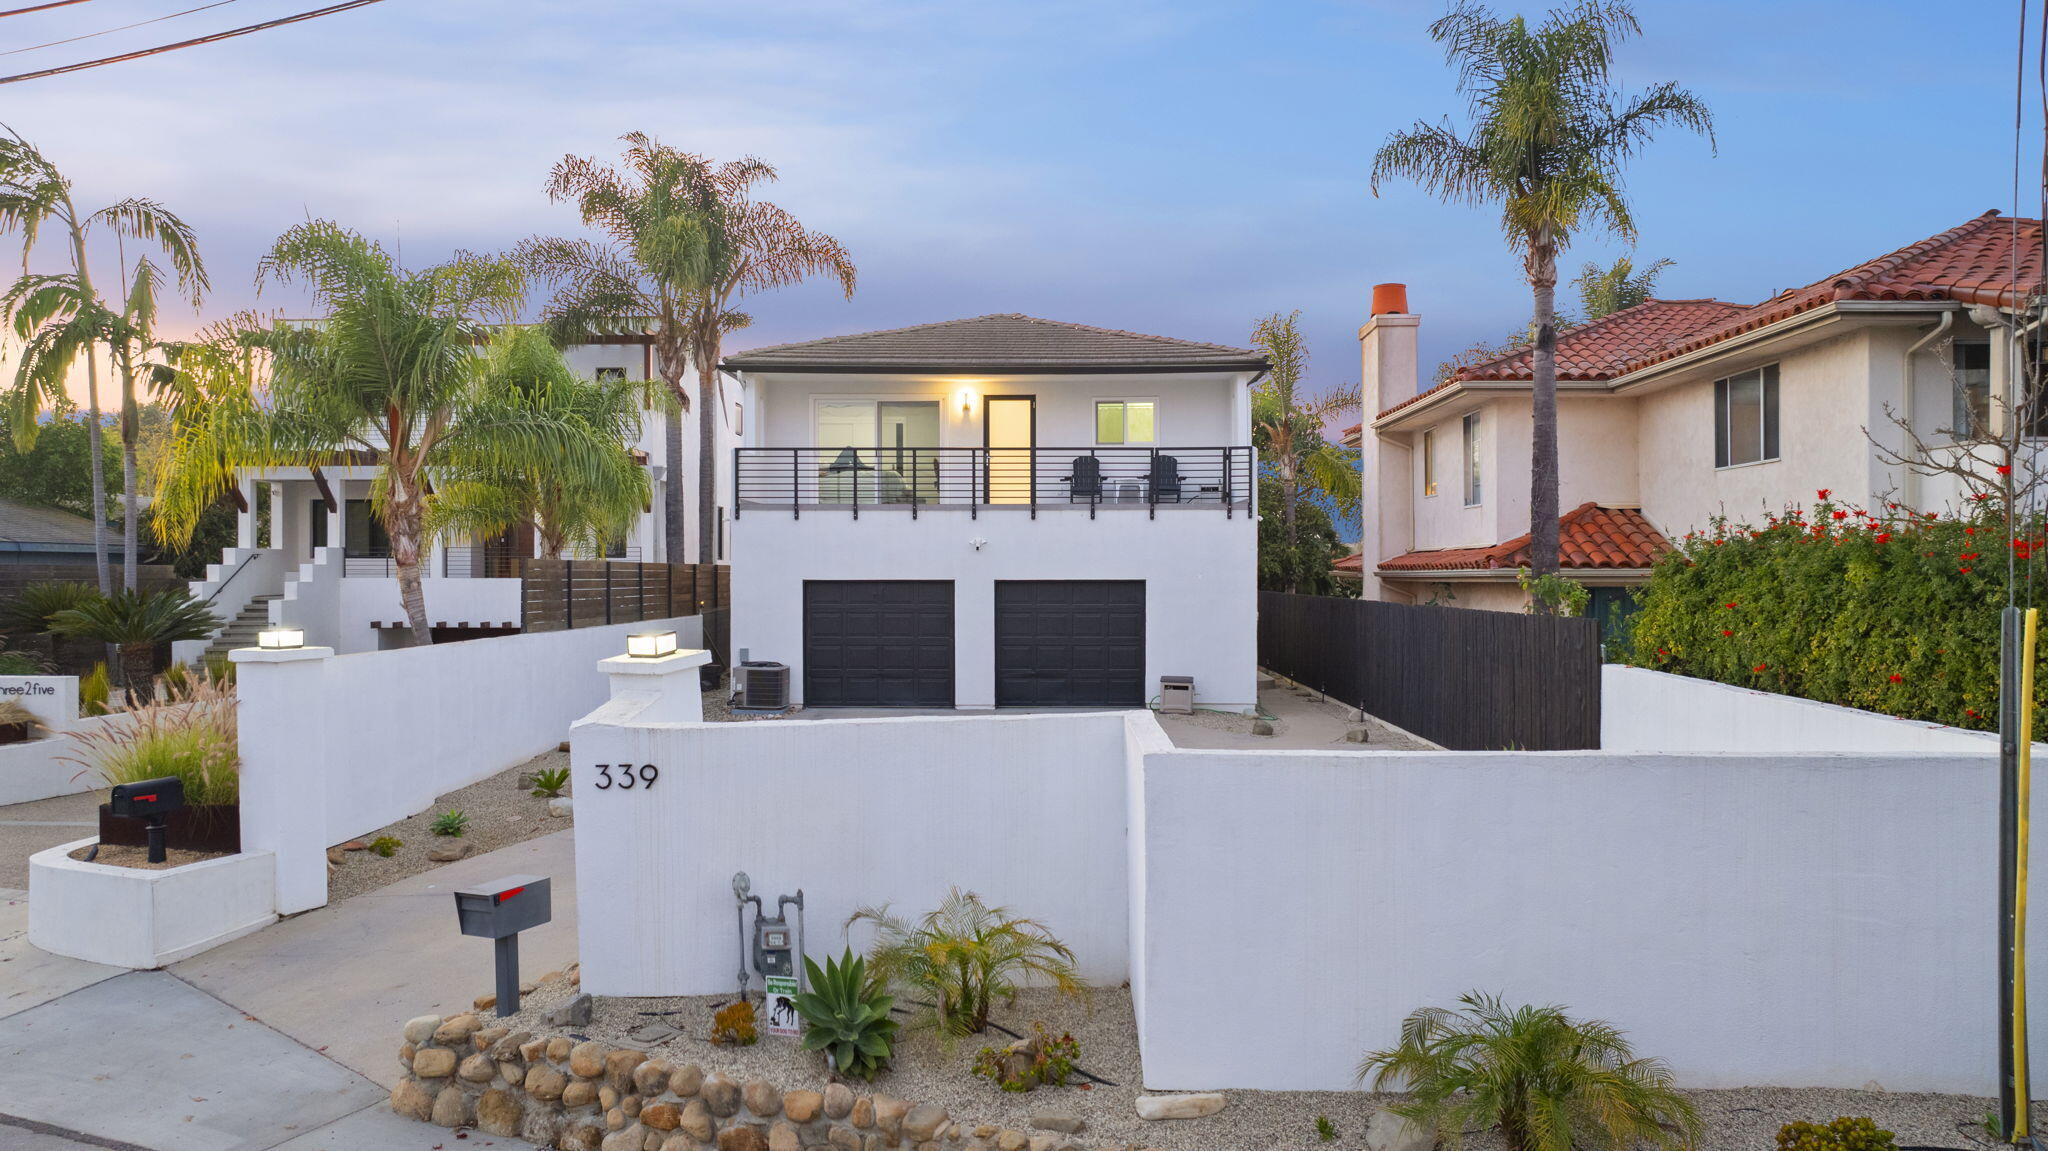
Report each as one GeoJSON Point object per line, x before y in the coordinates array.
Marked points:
{"type": "Point", "coordinates": [240, 631]}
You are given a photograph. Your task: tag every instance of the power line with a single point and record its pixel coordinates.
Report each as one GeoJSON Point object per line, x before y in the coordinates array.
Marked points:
{"type": "Point", "coordinates": [193, 43]}
{"type": "Point", "coordinates": [40, 7]}
{"type": "Point", "coordinates": [122, 28]}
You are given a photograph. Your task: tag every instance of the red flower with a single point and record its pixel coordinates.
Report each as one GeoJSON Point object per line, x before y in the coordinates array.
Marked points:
{"type": "Point", "coordinates": [2004, 469]}
{"type": "Point", "coordinates": [1663, 651]}
{"type": "Point", "coordinates": [1969, 531]}
{"type": "Point", "coordinates": [1725, 631]}
{"type": "Point", "coordinates": [1841, 515]}
{"type": "Point", "coordinates": [1965, 571]}
{"type": "Point", "coordinates": [1981, 496]}
{"type": "Point", "coordinates": [1971, 712]}
{"type": "Point", "coordinates": [1824, 493]}
{"type": "Point", "coordinates": [1760, 668]}
{"type": "Point", "coordinates": [1895, 677]}
{"type": "Point", "coordinates": [1882, 537]}
{"type": "Point", "coordinates": [1729, 606]}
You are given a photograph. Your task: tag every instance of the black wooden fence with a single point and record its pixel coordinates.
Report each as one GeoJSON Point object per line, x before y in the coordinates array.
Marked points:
{"type": "Point", "coordinates": [1468, 680]}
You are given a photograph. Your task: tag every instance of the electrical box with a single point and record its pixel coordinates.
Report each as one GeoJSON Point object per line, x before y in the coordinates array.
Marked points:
{"type": "Point", "coordinates": [504, 908]}
{"type": "Point", "coordinates": [1177, 693]}
{"type": "Point", "coordinates": [774, 946]}
{"type": "Point", "coordinates": [150, 797]}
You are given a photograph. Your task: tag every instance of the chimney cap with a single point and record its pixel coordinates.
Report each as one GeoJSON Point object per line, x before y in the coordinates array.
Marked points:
{"type": "Point", "coordinates": [1389, 298]}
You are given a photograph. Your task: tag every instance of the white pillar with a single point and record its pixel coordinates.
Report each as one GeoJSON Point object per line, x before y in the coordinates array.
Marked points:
{"type": "Point", "coordinates": [662, 690]}
{"type": "Point", "coordinates": [278, 536]}
{"type": "Point", "coordinates": [282, 739]}
{"type": "Point", "coordinates": [337, 527]}
{"type": "Point", "coordinates": [245, 522]}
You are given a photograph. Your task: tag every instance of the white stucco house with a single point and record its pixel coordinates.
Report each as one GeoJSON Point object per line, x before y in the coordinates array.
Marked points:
{"type": "Point", "coordinates": [997, 511]}
{"type": "Point", "coordinates": [1676, 411]}
{"type": "Point", "coordinates": [309, 552]}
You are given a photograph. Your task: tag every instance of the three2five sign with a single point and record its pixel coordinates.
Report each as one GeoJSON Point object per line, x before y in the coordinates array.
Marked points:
{"type": "Point", "coordinates": [626, 776]}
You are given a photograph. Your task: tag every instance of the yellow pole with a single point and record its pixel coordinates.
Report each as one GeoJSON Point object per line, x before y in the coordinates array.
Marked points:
{"type": "Point", "coordinates": [2022, 1128]}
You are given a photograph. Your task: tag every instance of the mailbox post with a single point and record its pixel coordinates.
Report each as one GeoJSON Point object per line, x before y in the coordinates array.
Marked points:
{"type": "Point", "coordinates": [499, 911]}
{"type": "Point", "coordinates": [152, 801]}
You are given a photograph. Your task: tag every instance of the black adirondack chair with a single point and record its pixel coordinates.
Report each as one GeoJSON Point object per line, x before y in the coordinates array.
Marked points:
{"type": "Point", "coordinates": [1086, 481]}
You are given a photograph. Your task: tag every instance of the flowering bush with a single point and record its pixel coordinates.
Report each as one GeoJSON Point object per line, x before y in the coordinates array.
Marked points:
{"type": "Point", "coordinates": [1892, 611]}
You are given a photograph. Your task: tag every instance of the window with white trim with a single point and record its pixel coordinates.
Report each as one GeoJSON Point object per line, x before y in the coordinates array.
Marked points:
{"type": "Point", "coordinates": [1474, 489]}
{"type": "Point", "coordinates": [1972, 372]}
{"type": "Point", "coordinates": [1746, 417]}
{"type": "Point", "coordinates": [1126, 422]}
{"type": "Point", "coordinates": [1429, 462]}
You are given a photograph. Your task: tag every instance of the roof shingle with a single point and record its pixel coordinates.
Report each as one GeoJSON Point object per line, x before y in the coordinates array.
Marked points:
{"type": "Point", "coordinates": [1006, 342]}
{"type": "Point", "coordinates": [1589, 537]}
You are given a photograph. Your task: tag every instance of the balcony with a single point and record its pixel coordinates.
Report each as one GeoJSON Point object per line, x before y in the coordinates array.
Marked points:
{"type": "Point", "coordinates": [973, 480]}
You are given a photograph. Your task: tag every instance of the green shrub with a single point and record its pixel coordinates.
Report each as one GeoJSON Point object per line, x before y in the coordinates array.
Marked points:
{"type": "Point", "coordinates": [386, 845]}
{"type": "Point", "coordinates": [1554, 594]}
{"type": "Point", "coordinates": [549, 782]}
{"type": "Point", "coordinates": [135, 622]}
{"type": "Point", "coordinates": [1844, 1134]}
{"type": "Point", "coordinates": [1549, 1082]}
{"type": "Point", "coordinates": [29, 612]}
{"type": "Point", "coordinates": [451, 824]}
{"type": "Point", "coordinates": [1044, 1060]}
{"type": "Point", "coordinates": [21, 663]}
{"type": "Point", "coordinates": [1326, 1131]}
{"type": "Point", "coordinates": [93, 690]}
{"type": "Point", "coordinates": [1892, 611]}
{"type": "Point", "coordinates": [845, 1017]}
{"type": "Point", "coordinates": [221, 670]}
{"type": "Point", "coordinates": [961, 958]}
{"type": "Point", "coordinates": [194, 741]}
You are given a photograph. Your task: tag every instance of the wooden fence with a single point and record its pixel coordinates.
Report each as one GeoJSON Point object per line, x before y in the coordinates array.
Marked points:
{"type": "Point", "coordinates": [1468, 680]}
{"type": "Point", "coordinates": [562, 594]}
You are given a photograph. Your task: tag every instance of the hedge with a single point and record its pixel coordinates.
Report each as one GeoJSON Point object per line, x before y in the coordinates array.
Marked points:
{"type": "Point", "coordinates": [1890, 611]}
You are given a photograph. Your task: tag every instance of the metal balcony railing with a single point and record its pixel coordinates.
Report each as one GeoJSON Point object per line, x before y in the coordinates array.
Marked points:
{"type": "Point", "coordinates": [458, 562]}
{"type": "Point", "coordinates": [923, 479]}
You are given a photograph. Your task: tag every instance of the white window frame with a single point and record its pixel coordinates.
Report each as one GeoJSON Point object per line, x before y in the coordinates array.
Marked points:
{"type": "Point", "coordinates": [1770, 445]}
{"type": "Point", "coordinates": [1429, 463]}
{"type": "Point", "coordinates": [1095, 421]}
{"type": "Point", "coordinates": [1471, 430]}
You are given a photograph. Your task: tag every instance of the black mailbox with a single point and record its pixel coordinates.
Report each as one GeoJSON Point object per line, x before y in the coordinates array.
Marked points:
{"type": "Point", "coordinates": [149, 797]}
{"type": "Point", "coordinates": [499, 911]}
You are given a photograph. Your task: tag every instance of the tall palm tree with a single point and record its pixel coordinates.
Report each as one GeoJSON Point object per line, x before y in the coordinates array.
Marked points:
{"type": "Point", "coordinates": [687, 240]}
{"type": "Point", "coordinates": [1605, 291]}
{"type": "Point", "coordinates": [392, 370]}
{"type": "Point", "coordinates": [1288, 429]}
{"type": "Point", "coordinates": [1550, 134]}
{"type": "Point", "coordinates": [134, 623]}
{"type": "Point", "coordinates": [35, 195]}
{"type": "Point", "coordinates": [585, 508]}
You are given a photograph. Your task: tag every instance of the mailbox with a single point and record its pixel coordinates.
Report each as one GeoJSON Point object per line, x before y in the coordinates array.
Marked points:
{"type": "Point", "coordinates": [152, 801]}
{"type": "Point", "coordinates": [504, 907]}
{"type": "Point", "coordinates": [499, 911]}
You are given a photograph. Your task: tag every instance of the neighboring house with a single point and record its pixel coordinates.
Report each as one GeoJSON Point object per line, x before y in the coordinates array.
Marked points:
{"type": "Point", "coordinates": [30, 534]}
{"type": "Point", "coordinates": [325, 563]}
{"type": "Point", "coordinates": [1677, 411]}
{"type": "Point", "coordinates": [997, 511]}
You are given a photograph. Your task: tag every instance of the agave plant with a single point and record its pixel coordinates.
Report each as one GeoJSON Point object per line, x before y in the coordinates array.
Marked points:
{"type": "Point", "coordinates": [963, 957]}
{"type": "Point", "coordinates": [1549, 1082]}
{"type": "Point", "coordinates": [845, 1018]}
{"type": "Point", "coordinates": [135, 622]}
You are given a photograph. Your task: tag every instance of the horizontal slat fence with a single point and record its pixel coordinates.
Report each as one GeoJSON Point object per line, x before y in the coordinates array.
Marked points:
{"type": "Point", "coordinates": [1465, 679]}
{"type": "Point", "coordinates": [561, 594]}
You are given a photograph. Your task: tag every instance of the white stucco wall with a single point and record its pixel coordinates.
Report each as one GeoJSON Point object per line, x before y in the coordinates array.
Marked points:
{"type": "Point", "coordinates": [133, 917]}
{"type": "Point", "coordinates": [1198, 568]}
{"type": "Point", "coordinates": [1026, 810]}
{"type": "Point", "coordinates": [1644, 710]}
{"type": "Point", "coordinates": [55, 764]}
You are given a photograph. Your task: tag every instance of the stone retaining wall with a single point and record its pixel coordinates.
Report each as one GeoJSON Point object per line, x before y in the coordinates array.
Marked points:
{"type": "Point", "coordinates": [588, 1096]}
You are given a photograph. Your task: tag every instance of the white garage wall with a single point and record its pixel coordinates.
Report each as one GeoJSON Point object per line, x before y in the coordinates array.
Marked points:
{"type": "Point", "coordinates": [1026, 810]}
{"type": "Point", "coordinates": [1644, 710]}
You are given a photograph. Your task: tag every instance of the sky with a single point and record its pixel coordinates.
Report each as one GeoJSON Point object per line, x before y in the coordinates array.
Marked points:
{"type": "Point", "coordinates": [1177, 167]}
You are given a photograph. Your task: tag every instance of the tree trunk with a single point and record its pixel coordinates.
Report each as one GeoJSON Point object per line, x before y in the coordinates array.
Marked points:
{"type": "Point", "coordinates": [672, 506]}
{"type": "Point", "coordinates": [138, 661]}
{"type": "Point", "coordinates": [1543, 465]}
{"type": "Point", "coordinates": [402, 515]}
{"type": "Point", "coordinates": [1288, 494]}
{"type": "Point", "coordinates": [130, 508]}
{"type": "Point", "coordinates": [708, 411]}
{"type": "Point", "coordinates": [96, 444]}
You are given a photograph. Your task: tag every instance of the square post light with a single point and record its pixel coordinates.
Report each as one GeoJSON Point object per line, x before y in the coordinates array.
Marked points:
{"type": "Point", "coordinates": [281, 638]}
{"type": "Point", "coordinates": [651, 644]}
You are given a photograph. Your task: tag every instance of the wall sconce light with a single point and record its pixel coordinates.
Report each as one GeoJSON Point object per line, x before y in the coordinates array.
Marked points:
{"type": "Point", "coordinates": [281, 638]}
{"type": "Point", "coordinates": [651, 644]}
{"type": "Point", "coordinates": [966, 402]}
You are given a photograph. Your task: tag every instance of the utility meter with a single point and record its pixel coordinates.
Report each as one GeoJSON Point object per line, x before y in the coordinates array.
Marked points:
{"type": "Point", "coordinates": [774, 948]}
{"type": "Point", "coordinates": [774, 945]}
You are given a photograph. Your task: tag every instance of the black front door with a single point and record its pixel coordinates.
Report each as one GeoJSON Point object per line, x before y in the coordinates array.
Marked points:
{"type": "Point", "coordinates": [1070, 643]}
{"type": "Point", "coordinates": [878, 643]}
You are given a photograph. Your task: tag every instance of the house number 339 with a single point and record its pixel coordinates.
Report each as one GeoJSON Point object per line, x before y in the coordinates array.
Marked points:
{"type": "Point", "coordinates": [627, 776]}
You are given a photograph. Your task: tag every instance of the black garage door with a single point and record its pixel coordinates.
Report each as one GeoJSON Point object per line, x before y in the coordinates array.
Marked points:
{"type": "Point", "coordinates": [1070, 643]}
{"type": "Point", "coordinates": [878, 643]}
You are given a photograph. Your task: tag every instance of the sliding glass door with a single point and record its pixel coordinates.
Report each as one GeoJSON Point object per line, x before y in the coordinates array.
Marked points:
{"type": "Point", "coordinates": [868, 450]}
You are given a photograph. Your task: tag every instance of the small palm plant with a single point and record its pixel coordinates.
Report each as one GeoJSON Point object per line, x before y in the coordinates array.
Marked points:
{"type": "Point", "coordinates": [135, 622]}
{"type": "Point", "coordinates": [963, 957]}
{"type": "Point", "coordinates": [550, 782]}
{"type": "Point", "coordinates": [450, 824]}
{"type": "Point", "coordinates": [1550, 1083]}
{"type": "Point", "coordinates": [845, 1017]}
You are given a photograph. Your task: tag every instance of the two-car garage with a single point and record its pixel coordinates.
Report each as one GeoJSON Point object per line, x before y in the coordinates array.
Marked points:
{"type": "Point", "coordinates": [891, 643]}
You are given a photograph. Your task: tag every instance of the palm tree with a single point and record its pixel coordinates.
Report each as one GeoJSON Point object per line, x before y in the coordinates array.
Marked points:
{"type": "Point", "coordinates": [392, 371]}
{"type": "Point", "coordinates": [33, 196]}
{"type": "Point", "coordinates": [134, 623]}
{"type": "Point", "coordinates": [1549, 1082]}
{"type": "Point", "coordinates": [584, 508]}
{"type": "Point", "coordinates": [1549, 137]}
{"type": "Point", "coordinates": [687, 240]}
{"type": "Point", "coordinates": [1288, 426]}
{"type": "Point", "coordinates": [1605, 291]}
{"type": "Point", "coordinates": [962, 957]}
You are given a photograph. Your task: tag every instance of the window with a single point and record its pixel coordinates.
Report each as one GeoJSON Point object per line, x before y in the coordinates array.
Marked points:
{"type": "Point", "coordinates": [1971, 371]}
{"type": "Point", "coordinates": [1429, 462]}
{"type": "Point", "coordinates": [1746, 418]}
{"type": "Point", "coordinates": [1126, 422]}
{"type": "Point", "coordinates": [363, 534]}
{"type": "Point", "coordinates": [869, 457]}
{"type": "Point", "coordinates": [1473, 490]}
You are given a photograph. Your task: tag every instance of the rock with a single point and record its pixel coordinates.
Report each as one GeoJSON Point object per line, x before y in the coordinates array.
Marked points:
{"type": "Point", "coordinates": [842, 1139]}
{"type": "Point", "coordinates": [651, 1033]}
{"type": "Point", "coordinates": [433, 1063]}
{"type": "Point", "coordinates": [741, 1139]}
{"type": "Point", "coordinates": [838, 1101]}
{"type": "Point", "coordinates": [545, 1083]}
{"type": "Point", "coordinates": [864, 1112]}
{"type": "Point", "coordinates": [624, 1139]}
{"type": "Point", "coordinates": [722, 1096]}
{"type": "Point", "coordinates": [1261, 727]}
{"type": "Point", "coordinates": [355, 845]}
{"type": "Point", "coordinates": [1390, 1132]}
{"type": "Point", "coordinates": [405, 1054]}
{"type": "Point", "coordinates": [559, 1047]}
{"type": "Point", "coordinates": [497, 1113]}
{"type": "Point", "coordinates": [782, 1137]}
{"type": "Point", "coordinates": [607, 1098]}
{"type": "Point", "coordinates": [1872, 1085]}
{"type": "Point", "coordinates": [587, 1058]}
{"type": "Point", "coordinates": [661, 1116]}
{"type": "Point", "coordinates": [1046, 1142]}
{"type": "Point", "coordinates": [412, 1100]}
{"type": "Point", "coordinates": [651, 1077]}
{"type": "Point", "coordinates": [679, 1142]}
{"type": "Point", "coordinates": [421, 1029]}
{"type": "Point", "coordinates": [478, 1068]}
{"type": "Point", "coordinates": [450, 851]}
{"type": "Point", "coordinates": [487, 1037]}
{"type": "Point", "coordinates": [534, 1050]}
{"type": "Point", "coordinates": [585, 1136]}
{"type": "Point", "coordinates": [619, 1067]}
{"type": "Point", "coordinates": [1054, 1121]}
{"type": "Point", "coordinates": [1007, 1140]}
{"type": "Point", "coordinates": [686, 1081]}
{"type": "Point", "coordinates": [562, 746]}
{"type": "Point", "coordinates": [614, 1119]}
{"type": "Point", "coordinates": [559, 807]}
{"type": "Point", "coordinates": [541, 1126]}
{"type": "Point", "coordinates": [485, 1002]}
{"type": "Point", "coordinates": [579, 1093]}
{"type": "Point", "coordinates": [801, 1106]}
{"type": "Point", "coordinates": [889, 1113]}
{"type": "Point", "coordinates": [513, 1072]}
{"type": "Point", "coordinates": [336, 856]}
{"type": "Point", "coordinates": [575, 1013]}
{"type": "Point", "coordinates": [923, 1121]}
{"type": "Point", "coordinates": [1193, 1106]}
{"type": "Point", "coordinates": [696, 1120]}
{"type": "Point", "coordinates": [456, 1031]}
{"type": "Point", "coordinates": [510, 1046]}
{"type": "Point", "coordinates": [451, 1107]}
{"type": "Point", "coordinates": [528, 986]}
{"type": "Point", "coordinates": [762, 1098]}
{"type": "Point", "coordinates": [1359, 734]}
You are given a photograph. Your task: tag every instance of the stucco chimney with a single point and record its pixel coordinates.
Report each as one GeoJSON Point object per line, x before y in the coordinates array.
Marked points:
{"type": "Point", "coordinates": [1388, 374]}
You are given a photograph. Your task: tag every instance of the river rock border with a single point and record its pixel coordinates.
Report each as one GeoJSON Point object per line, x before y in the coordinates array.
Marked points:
{"type": "Point", "coordinates": [588, 1096]}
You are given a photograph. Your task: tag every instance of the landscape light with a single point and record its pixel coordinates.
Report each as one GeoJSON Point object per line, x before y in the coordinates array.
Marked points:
{"type": "Point", "coordinates": [280, 638]}
{"type": "Point", "coordinates": [651, 644]}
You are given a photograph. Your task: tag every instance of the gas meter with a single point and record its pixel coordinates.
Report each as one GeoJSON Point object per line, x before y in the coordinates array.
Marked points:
{"type": "Point", "coordinates": [773, 949]}
{"type": "Point", "coordinates": [774, 946]}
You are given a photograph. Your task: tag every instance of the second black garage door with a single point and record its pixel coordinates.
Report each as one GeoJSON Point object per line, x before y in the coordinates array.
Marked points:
{"type": "Point", "coordinates": [878, 643]}
{"type": "Point", "coordinates": [1070, 643]}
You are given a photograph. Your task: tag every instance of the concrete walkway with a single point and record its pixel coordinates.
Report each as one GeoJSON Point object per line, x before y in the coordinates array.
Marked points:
{"type": "Point", "coordinates": [1301, 721]}
{"type": "Point", "coordinates": [26, 828]}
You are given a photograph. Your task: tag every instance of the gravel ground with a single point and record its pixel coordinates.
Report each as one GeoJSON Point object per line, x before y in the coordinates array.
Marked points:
{"type": "Point", "coordinates": [128, 855]}
{"type": "Point", "coordinates": [500, 815]}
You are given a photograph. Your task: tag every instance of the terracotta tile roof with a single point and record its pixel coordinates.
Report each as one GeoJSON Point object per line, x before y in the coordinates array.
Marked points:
{"type": "Point", "coordinates": [1589, 538]}
{"type": "Point", "coordinates": [1597, 351]}
{"type": "Point", "coordinates": [1355, 562]}
{"type": "Point", "coordinates": [1007, 342]}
